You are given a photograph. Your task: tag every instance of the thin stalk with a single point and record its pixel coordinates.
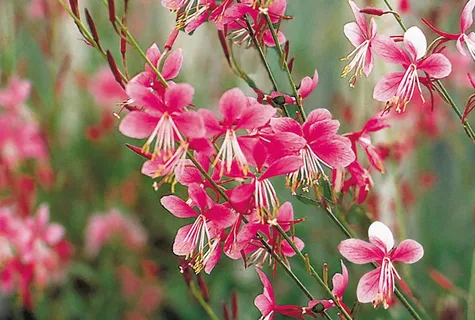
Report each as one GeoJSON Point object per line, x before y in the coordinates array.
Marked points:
{"type": "Point", "coordinates": [137, 47]}
{"type": "Point", "coordinates": [471, 292]}
{"type": "Point", "coordinates": [199, 297]}
{"type": "Point", "coordinates": [286, 66]}
{"type": "Point", "coordinates": [441, 89]}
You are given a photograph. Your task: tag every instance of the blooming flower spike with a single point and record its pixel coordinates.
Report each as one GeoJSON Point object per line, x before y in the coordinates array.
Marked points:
{"type": "Point", "coordinates": [398, 88]}
{"type": "Point", "coordinates": [377, 286]}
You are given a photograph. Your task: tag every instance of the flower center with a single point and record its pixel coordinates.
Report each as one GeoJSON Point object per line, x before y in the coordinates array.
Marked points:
{"type": "Point", "coordinates": [266, 201]}
{"type": "Point", "coordinates": [357, 62]}
{"type": "Point", "coordinates": [230, 150]}
{"type": "Point", "coordinates": [405, 90]}
{"type": "Point", "coordinates": [165, 132]}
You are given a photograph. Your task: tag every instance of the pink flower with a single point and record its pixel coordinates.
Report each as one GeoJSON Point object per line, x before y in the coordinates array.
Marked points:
{"type": "Point", "coordinates": [316, 142]}
{"type": "Point", "coordinates": [204, 235]}
{"type": "Point", "coordinates": [103, 228]}
{"type": "Point", "coordinates": [266, 304]}
{"type": "Point", "coordinates": [466, 21]}
{"type": "Point", "coordinates": [398, 88]}
{"type": "Point", "coordinates": [239, 113]}
{"type": "Point", "coordinates": [233, 20]}
{"type": "Point", "coordinates": [15, 95]}
{"type": "Point", "coordinates": [377, 286]}
{"type": "Point", "coordinates": [374, 124]}
{"type": "Point", "coordinates": [361, 37]}
{"type": "Point", "coordinates": [164, 119]}
{"type": "Point", "coordinates": [105, 90]}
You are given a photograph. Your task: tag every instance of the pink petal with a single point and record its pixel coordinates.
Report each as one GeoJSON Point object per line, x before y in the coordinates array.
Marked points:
{"type": "Point", "coordinates": [340, 281]}
{"type": "Point", "coordinates": [389, 51]}
{"type": "Point", "coordinates": [280, 125]}
{"type": "Point", "coordinates": [190, 124]}
{"type": "Point", "coordinates": [138, 124]}
{"type": "Point", "coordinates": [459, 45]}
{"type": "Point", "coordinates": [211, 122]}
{"type": "Point", "coordinates": [153, 54]}
{"type": "Point", "coordinates": [177, 207]}
{"type": "Point", "coordinates": [316, 116]}
{"type": "Point", "coordinates": [213, 260]}
{"type": "Point", "coordinates": [335, 151]}
{"type": "Point", "coordinates": [285, 214]}
{"type": "Point", "coordinates": [368, 286]}
{"type": "Point", "coordinates": [415, 42]}
{"type": "Point", "coordinates": [368, 63]}
{"type": "Point", "coordinates": [353, 32]}
{"type": "Point", "coordinates": [379, 233]}
{"type": "Point", "coordinates": [466, 18]}
{"type": "Point", "coordinates": [264, 305]}
{"type": "Point", "coordinates": [143, 96]}
{"type": "Point", "coordinates": [359, 251]}
{"type": "Point", "coordinates": [179, 96]}
{"type": "Point", "coordinates": [376, 123]}
{"type": "Point", "coordinates": [283, 166]}
{"type": "Point", "coordinates": [408, 251]}
{"type": "Point", "coordinates": [54, 233]}
{"type": "Point", "coordinates": [183, 245]}
{"type": "Point", "coordinates": [199, 197]}
{"type": "Point", "coordinates": [231, 105]}
{"type": "Point", "coordinates": [172, 64]}
{"type": "Point", "coordinates": [373, 28]}
{"type": "Point", "coordinates": [268, 291]}
{"type": "Point", "coordinates": [269, 39]}
{"type": "Point", "coordinates": [277, 8]}
{"type": "Point", "coordinates": [322, 129]}
{"type": "Point", "coordinates": [307, 85]}
{"type": "Point", "coordinates": [221, 216]}
{"type": "Point", "coordinates": [436, 65]}
{"type": "Point", "coordinates": [287, 250]}
{"type": "Point", "coordinates": [359, 17]}
{"type": "Point", "coordinates": [387, 86]}
{"type": "Point", "coordinates": [255, 116]}
{"type": "Point", "coordinates": [190, 174]}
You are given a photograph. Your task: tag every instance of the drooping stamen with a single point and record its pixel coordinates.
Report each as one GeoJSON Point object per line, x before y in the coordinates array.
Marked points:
{"type": "Point", "coordinates": [357, 63]}
{"type": "Point", "coordinates": [310, 171]}
{"type": "Point", "coordinates": [174, 164]}
{"type": "Point", "coordinates": [405, 90]}
{"type": "Point", "coordinates": [198, 235]}
{"type": "Point", "coordinates": [202, 259]}
{"type": "Point", "coordinates": [386, 284]}
{"type": "Point", "coordinates": [164, 135]}
{"type": "Point", "coordinates": [230, 150]}
{"type": "Point", "coordinates": [265, 199]}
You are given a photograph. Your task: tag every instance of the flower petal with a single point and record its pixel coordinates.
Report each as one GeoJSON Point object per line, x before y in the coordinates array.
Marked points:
{"type": "Point", "coordinates": [368, 286]}
{"type": "Point", "coordinates": [387, 86]}
{"type": "Point", "coordinates": [153, 54]}
{"type": "Point", "coordinates": [190, 124]}
{"type": "Point", "coordinates": [255, 116]}
{"type": "Point", "coordinates": [177, 207]}
{"type": "Point", "coordinates": [231, 104]}
{"type": "Point", "coordinates": [282, 166]}
{"type": "Point", "coordinates": [389, 51]}
{"type": "Point", "coordinates": [359, 251]}
{"type": "Point", "coordinates": [436, 65]}
{"type": "Point", "coordinates": [280, 125]}
{"type": "Point", "coordinates": [307, 85]}
{"type": "Point", "coordinates": [138, 125]}
{"type": "Point", "coordinates": [179, 96]}
{"type": "Point", "coordinates": [335, 151]}
{"type": "Point", "coordinates": [287, 250]}
{"type": "Point", "coordinates": [143, 96]}
{"type": "Point", "coordinates": [408, 251]}
{"type": "Point", "coordinates": [416, 42]}
{"type": "Point", "coordinates": [268, 291]}
{"type": "Point", "coordinates": [353, 32]}
{"type": "Point", "coordinates": [172, 64]}
{"type": "Point", "coordinates": [221, 216]}
{"type": "Point", "coordinates": [379, 233]}
{"type": "Point", "coordinates": [359, 17]}
{"type": "Point", "coordinates": [183, 245]}
{"type": "Point", "coordinates": [316, 116]}
{"type": "Point", "coordinates": [340, 281]}
{"type": "Point", "coordinates": [466, 18]}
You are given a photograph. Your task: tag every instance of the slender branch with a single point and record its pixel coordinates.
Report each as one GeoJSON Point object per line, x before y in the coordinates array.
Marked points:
{"type": "Point", "coordinates": [199, 297]}
{"type": "Point", "coordinates": [471, 292]}
{"type": "Point", "coordinates": [285, 65]}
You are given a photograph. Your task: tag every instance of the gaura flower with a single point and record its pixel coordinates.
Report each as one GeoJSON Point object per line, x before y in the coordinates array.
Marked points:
{"type": "Point", "coordinates": [361, 36]}
{"type": "Point", "coordinates": [377, 286]}
{"type": "Point", "coordinates": [466, 21]}
{"type": "Point", "coordinates": [398, 88]}
{"type": "Point", "coordinates": [266, 304]}
{"type": "Point", "coordinates": [316, 142]}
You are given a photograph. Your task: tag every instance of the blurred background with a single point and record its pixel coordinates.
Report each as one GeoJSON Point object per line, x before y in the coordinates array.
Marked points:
{"type": "Point", "coordinates": [90, 180]}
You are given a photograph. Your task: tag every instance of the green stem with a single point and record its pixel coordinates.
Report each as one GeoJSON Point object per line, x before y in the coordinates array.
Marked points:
{"type": "Point", "coordinates": [286, 66]}
{"type": "Point", "coordinates": [199, 297]}
{"type": "Point", "coordinates": [471, 292]}
{"type": "Point", "coordinates": [397, 17]}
